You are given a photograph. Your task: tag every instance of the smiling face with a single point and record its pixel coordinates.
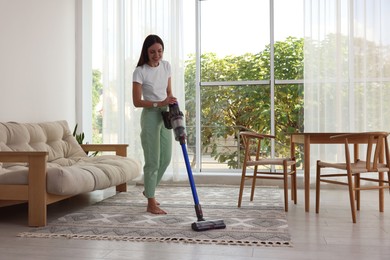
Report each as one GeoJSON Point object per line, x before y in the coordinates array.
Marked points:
{"type": "Point", "coordinates": [155, 54]}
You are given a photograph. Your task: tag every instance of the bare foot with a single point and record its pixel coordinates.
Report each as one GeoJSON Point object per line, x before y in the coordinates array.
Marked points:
{"type": "Point", "coordinates": [155, 210]}
{"type": "Point", "coordinates": [153, 207]}
{"type": "Point", "coordinates": [157, 203]}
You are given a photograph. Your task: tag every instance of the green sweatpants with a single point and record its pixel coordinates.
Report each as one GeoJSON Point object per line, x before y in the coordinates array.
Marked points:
{"type": "Point", "coordinates": [157, 145]}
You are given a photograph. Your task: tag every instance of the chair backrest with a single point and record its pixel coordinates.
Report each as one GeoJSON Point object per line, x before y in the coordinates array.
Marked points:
{"type": "Point", "coordinates": [252, 144]}
{"type": "Point", "coordinates": [377, 147]}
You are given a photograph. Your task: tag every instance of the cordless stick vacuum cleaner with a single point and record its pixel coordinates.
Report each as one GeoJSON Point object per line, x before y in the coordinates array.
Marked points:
{"type": "Point", "coordinates": [173, 119]}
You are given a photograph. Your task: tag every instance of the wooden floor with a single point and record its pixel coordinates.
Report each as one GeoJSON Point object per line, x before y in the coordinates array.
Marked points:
{"type": "Point", "coordinates": [328, 235]}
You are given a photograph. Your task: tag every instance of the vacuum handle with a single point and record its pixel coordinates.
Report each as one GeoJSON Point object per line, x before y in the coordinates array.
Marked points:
{"type": "Point", "coordinates": [189, 172]}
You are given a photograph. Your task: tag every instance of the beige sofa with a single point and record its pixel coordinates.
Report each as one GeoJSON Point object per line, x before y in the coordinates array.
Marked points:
{"type": "Point", "coordinates": [41, 163]}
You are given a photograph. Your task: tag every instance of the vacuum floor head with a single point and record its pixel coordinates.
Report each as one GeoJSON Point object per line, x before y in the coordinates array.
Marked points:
{"type": "Point", "coordinates": [208, 224]}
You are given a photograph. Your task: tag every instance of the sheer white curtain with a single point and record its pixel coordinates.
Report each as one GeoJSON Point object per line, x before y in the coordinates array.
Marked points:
{"type": "Point", "coordinates": [125, 24]}
{"type": "Point", "coordinates": [347, 69]}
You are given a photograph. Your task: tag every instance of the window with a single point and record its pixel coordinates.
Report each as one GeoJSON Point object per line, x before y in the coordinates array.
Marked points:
{"type": "Point", "coordinates": [243, 72]}
{"type": "Point", "coordinates": [251, 71]}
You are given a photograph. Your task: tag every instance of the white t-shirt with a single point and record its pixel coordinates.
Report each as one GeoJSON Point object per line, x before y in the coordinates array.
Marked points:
{"type": "Point", "coordinates": [154, 80]}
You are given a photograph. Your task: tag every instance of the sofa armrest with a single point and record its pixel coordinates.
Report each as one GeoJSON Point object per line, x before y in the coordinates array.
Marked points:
{"type": "Point", "coordinates": [119, 149]}
{"type": "Point", "coordinates": [12, 156]}
{"type": "Point", "coordinates": [36, 183]}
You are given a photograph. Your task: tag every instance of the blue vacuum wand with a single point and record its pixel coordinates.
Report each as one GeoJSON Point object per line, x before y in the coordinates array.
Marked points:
{"type": "Point", "coordinates": [173, 119]}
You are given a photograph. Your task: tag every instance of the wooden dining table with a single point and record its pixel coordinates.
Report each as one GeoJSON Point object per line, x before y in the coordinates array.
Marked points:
{"type": "Point", "coordinates": [308, 139]}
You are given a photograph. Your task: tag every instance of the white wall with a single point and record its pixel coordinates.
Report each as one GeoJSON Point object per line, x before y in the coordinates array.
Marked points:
{"type": "Point", "coordinates": [37, 60]}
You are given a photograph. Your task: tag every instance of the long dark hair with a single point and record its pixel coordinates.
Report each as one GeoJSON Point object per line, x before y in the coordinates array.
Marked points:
{"type": "Point", "coordinates": [149, 41]}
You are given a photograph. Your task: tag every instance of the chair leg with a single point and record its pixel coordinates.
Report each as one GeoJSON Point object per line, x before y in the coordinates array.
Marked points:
{"type": "Point", "coordinates": [294, 184]}
{"type": "Point", "coordinates": [285, 185]}
{"type": "Point", "coordinates": [254, 183]}
{"type": "Point", "coordinates": [380, 192]}
{"type": "Point", "coordinates": [242, 183]}
{"type": "Point", "coordinates": [294, 176]}
{"type": "Point", "coordinates": [318, 180]}
{"type": "Point", "coordinates": [357, 192]}
{"type": "Point", "coordinates": [352, 197]}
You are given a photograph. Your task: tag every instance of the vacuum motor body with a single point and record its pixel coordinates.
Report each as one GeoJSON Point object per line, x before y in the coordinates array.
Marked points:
{"type": "Point", "coordinates": [174, 119]}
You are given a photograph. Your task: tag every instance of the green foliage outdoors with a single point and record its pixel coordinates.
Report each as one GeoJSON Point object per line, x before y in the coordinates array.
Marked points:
{"type": "Point", "coordinates": [97, 119]}
{"type": "Point", "coordinates": [226, 110]}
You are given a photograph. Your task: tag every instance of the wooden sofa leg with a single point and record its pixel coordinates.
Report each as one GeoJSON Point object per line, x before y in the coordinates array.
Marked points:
{"type": "Point", "coordinates": [36, 215]}
{"type": "Point", "coordinates": [121, 187]}
{"type": "Point", "coordinates": [37, 206]}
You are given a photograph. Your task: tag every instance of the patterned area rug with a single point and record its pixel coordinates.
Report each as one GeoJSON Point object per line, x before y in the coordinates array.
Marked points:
{"type": "Point", "coordinates": [124, 217]}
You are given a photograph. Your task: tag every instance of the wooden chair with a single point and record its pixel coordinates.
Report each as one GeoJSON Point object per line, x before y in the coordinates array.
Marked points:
{"type": "Point", "coordinates": [253, 157]}
{"type": "Point", "coordinates": [353, 171]}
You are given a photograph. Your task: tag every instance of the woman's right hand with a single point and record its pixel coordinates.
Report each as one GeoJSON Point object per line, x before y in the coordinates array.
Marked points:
{"type": "Point", "coordinates": [170, 100]}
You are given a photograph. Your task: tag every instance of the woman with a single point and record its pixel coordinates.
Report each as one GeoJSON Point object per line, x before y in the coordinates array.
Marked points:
{"type": "Point", "coordinates": [153, 92]}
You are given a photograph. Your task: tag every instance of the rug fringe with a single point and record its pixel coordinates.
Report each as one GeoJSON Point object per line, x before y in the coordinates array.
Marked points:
{"type": "Point", "coordinates": [156, 239]}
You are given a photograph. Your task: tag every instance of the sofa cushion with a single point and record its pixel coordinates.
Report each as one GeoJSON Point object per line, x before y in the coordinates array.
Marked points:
{"type": "Point", "coordinates": [98, 172]}
{"type": "Point", "coordinates": [52, 137]}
